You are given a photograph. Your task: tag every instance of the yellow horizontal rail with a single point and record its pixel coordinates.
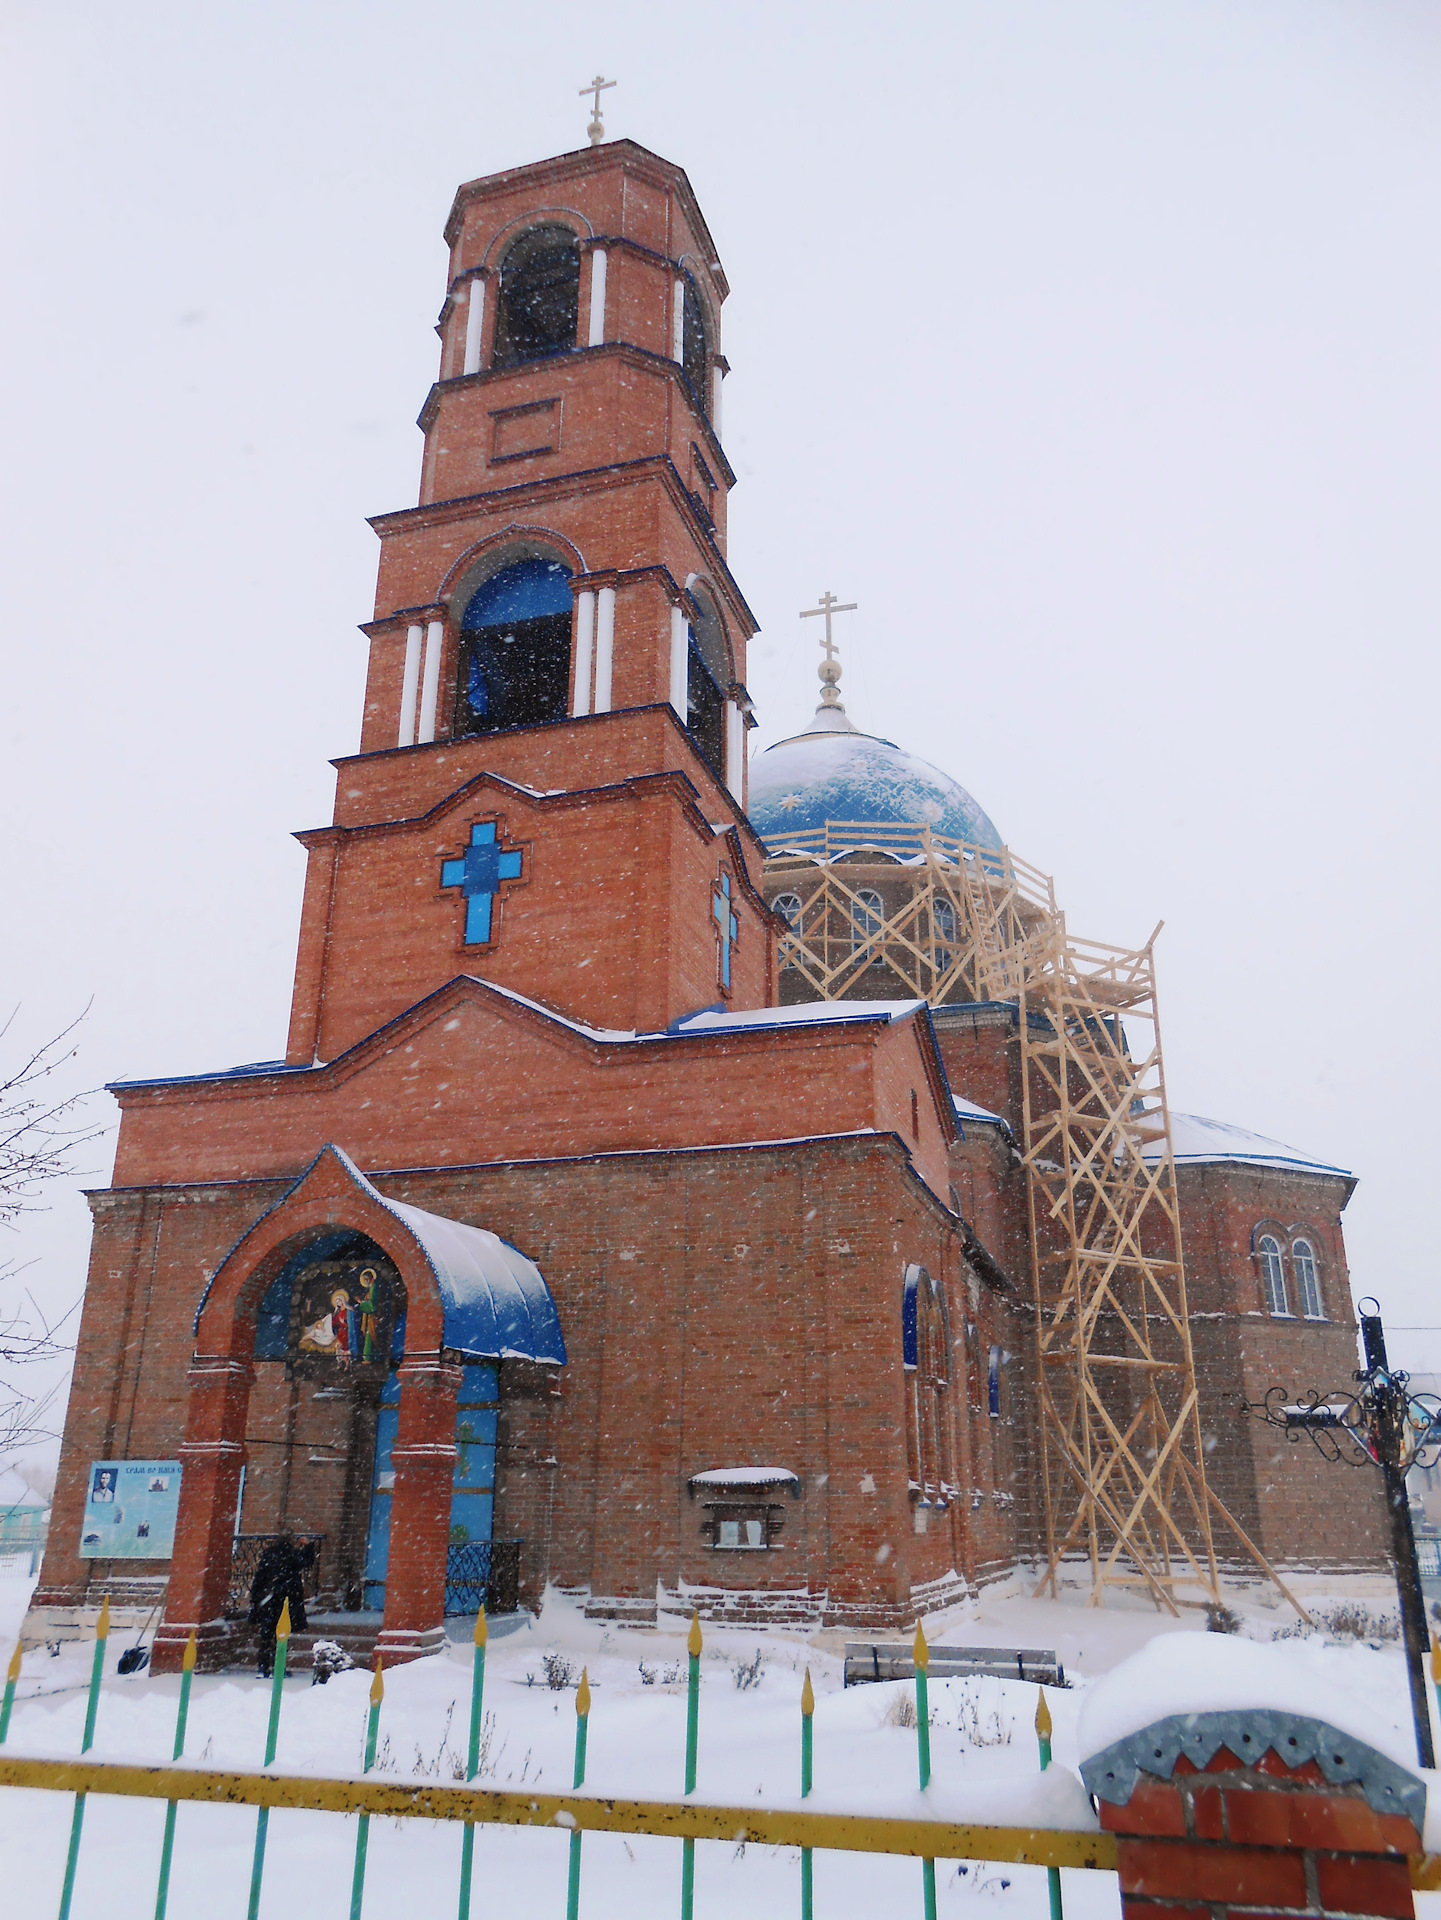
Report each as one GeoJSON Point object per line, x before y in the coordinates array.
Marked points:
{"type": "Point", "coordinates": [571, 1812]}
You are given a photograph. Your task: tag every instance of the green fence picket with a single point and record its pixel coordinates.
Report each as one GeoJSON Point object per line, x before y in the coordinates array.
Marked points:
{"type": "Point", "coordinates": [582, 1721]}
{"type": "Point", "coordinates": [77, 1819]}
{"type": "Point", "coordinates": [472, 1764]}
{"type": "Point", "coordinates": [362, 1837]}
{"type": "Point", "coordinates": [692, 1734]}
{"type": "Point", "coordinates": [272, 1734]}
{"type": "Point", "coordinates": [12, 1674]}
{"type": "Point", "coordinates": [1043, 1741]}
{"type": "Point", "coordinates": [187, 1674]}
{"type": "Point", "coordinates": [922, 1655]}
{"type": "Point", "coordinates": [808, 1709]}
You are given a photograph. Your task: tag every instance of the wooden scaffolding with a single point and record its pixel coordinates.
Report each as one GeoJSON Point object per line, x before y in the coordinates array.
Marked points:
{"type": "Point", "coordinates": [1122, 1470]}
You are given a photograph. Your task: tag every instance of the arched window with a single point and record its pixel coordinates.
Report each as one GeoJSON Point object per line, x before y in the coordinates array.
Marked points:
{"type": "Point", "coordinates": [539, 297]}
{"type": "Point", "coordinates": [515, 649]}
{"type": "Point", "coordinates": [708, 674]}
{"type": "Point", "coordinates": [868, 915]}
{"type": "Point", "coordinates": [944, 915]}
{"type": "Point", "coordinates": [1308, 1281]}
{"type": "Point", "coordinates": [788, 906]}
{"type": "Point", "coordinates": [1273, 1274]}
{"type": "Point", "coordinates": [925, 1355]}
{"type": "Point", "coordinates": [695, 353]}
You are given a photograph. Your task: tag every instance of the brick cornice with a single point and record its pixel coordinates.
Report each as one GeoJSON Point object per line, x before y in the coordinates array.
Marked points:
{"type": "Point", "coordinates": [577, 164]}
{"type": "Point", "coordinates": [616, 717]}
{"type": "Point", "coordinates": [658, 466]}
{"type": "Point", "coordinates": [645, 359]}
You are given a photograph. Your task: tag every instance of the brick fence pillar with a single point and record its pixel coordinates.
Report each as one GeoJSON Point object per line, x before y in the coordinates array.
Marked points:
{"type": "Point", "coordinates": [1257, 1810]}
{"type": "Point", "coordinates": [424, 1460]}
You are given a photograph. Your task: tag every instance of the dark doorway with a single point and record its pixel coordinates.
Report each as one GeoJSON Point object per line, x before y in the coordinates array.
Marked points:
{"type": "Point", "coordinates": [515, 650]}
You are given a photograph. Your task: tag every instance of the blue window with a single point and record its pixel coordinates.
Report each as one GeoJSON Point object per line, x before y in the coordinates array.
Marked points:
{"type": "Point", "coordinates": [472, 1497]}
{"type": "Point", "coordinates": [478, 873]}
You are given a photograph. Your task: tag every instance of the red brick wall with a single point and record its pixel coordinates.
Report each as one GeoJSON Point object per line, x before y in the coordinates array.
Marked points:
{"type": "Point", "coordinates": [720, 1309]}
{"type": "Point", "coordinates": [611, 921]}
{"type": "Point", "coordinates": [471, 1077]}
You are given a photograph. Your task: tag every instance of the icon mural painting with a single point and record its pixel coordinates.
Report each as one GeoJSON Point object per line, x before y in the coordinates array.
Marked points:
{"type": "Point", "coordinates": [342, 1315]}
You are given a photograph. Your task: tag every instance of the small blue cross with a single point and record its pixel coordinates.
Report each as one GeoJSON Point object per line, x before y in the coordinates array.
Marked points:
{"type": "Point", "coordinates": [478, 873]}
{"type": "Point", "coordinates": [728, 924]}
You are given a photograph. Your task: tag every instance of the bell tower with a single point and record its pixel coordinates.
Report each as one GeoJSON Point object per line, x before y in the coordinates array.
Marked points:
{"type": "Point", "coordinates": [551, 781]}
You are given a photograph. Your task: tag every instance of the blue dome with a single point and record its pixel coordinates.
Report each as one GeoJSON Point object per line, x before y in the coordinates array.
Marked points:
{"type": "Point", "coordinates": [835, 773]}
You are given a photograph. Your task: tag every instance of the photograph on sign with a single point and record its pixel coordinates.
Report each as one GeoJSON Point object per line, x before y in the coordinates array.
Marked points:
{"type": "Point", "coordinates": [130, 1509]}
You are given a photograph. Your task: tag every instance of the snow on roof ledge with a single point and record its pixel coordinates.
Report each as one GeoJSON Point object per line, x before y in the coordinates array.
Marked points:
{"type": "Point", "coordinates": [1196, 1141]}
{"type": "Point", "coordinates": [1179, 1676]}
{"type": "Point", "coordinates": [744, 1477]}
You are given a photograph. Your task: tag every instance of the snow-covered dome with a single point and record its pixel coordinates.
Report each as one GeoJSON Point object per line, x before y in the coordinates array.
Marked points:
{"type": "Point", "coordinates": [834, 772]}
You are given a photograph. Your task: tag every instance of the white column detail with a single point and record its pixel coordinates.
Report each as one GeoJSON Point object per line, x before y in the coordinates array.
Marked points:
{"type": "Point", "coordinates": [716, 380]}
{"type": "Point", "coordinates": [430, 685]}
{"type": "Point", "coordinates": [679, 662]}
{"type": "Point", "coordinates": [735, 750]}
{"type": "Point", "coordinates": [584, 649]}
{"type": "Point", "coordinates": [474, 319]}
{"type": "Point", "coordinates": [409, 688]}
{"type": "Point", "coordinates": [604, 647]}
{"type": "Point", "coordinates": [677, 324]}
{"type": "Point", "coordinates": [597, 298]}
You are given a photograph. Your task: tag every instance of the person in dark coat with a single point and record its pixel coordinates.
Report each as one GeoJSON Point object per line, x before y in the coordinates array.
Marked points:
{"type": "Point", "coordinates": [278, 1578]}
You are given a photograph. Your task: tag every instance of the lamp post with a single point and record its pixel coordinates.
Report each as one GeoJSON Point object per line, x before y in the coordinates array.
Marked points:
{"type": "Point", "coordinates": [1396, 1430]}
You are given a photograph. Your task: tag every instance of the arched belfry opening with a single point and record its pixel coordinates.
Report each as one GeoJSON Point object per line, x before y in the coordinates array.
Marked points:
{"type": "Point", "coordinates": [708, 674]}
{"type": "Point", "coordinates": [514, 655]}
{"type": "Point", "coordinates": [695, 346]}
{"type": "Point", "coordinates": [539, 298]}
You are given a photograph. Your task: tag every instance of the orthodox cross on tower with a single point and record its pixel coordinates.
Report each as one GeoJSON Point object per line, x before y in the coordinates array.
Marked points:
{"type": "Point", "coordinates": [478, 873]}
{"type": "Point", "coordinates": [729, 926]}
{"type": "Point", "coordinates": [829, 670]}
{"type": "Point", "coordinates": [596, 129]}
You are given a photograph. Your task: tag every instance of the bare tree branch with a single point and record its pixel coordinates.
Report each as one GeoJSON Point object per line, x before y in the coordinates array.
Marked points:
{"type": "Point", "coordinates": [40, 1132]}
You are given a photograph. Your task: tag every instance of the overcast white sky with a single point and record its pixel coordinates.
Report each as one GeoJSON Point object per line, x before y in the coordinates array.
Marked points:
{"type": "Point", "coordinates": [1093, 349]}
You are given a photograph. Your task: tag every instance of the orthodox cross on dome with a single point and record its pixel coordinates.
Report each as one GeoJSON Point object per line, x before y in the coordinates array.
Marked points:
{"type": "Point", "coordinates": [729, 926]}
{"type": "Point", "coordinates": [478, 873]}
{"type": "Point", "coordinates": [829, 670]}
{"type": "Point", "coordinates": [596, 129]}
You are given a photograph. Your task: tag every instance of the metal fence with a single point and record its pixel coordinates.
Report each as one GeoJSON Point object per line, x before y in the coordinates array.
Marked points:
{"type": "Point", "coordinates": [483, 1573]}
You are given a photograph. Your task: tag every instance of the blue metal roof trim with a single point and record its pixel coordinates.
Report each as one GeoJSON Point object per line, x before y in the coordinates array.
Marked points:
{"type": "Point", "coordinates": [496, 1303]}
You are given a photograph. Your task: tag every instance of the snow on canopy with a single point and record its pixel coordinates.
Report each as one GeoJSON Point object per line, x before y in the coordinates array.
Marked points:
{"type": "Point", "coordinates": [497, 1305]}
{"type": "Point", "coordinates": [1195, 1141]}
{"type": "Point", "coordinates": [830, 774]}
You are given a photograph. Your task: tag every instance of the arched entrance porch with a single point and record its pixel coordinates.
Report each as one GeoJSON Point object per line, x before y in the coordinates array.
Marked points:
{"type": "Point", "coordinates": [374, 1329]}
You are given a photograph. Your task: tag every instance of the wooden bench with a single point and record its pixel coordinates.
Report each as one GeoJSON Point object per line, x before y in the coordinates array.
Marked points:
{"type": "Point", "coordinates": [876, 1660]}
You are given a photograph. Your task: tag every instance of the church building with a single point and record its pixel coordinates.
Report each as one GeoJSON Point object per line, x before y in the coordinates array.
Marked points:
{"type": "Point", "coordinates": [603, 1224]}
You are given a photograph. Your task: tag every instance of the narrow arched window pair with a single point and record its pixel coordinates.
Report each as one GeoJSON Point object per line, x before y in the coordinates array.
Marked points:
{"type": "Point", "coordinates": [1273, 1277]}
{"type": "Point", "coordinates": [868, 916]}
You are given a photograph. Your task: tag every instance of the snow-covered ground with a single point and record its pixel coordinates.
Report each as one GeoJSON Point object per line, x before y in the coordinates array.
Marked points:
{"type": "Point", "coordinates": [983, 1752]}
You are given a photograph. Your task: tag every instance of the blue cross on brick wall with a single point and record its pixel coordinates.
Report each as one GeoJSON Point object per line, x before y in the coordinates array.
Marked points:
{"type": "Point", "coordinates": [728, 924]}
{"type": "Point", "coordinates": [478, 873]}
